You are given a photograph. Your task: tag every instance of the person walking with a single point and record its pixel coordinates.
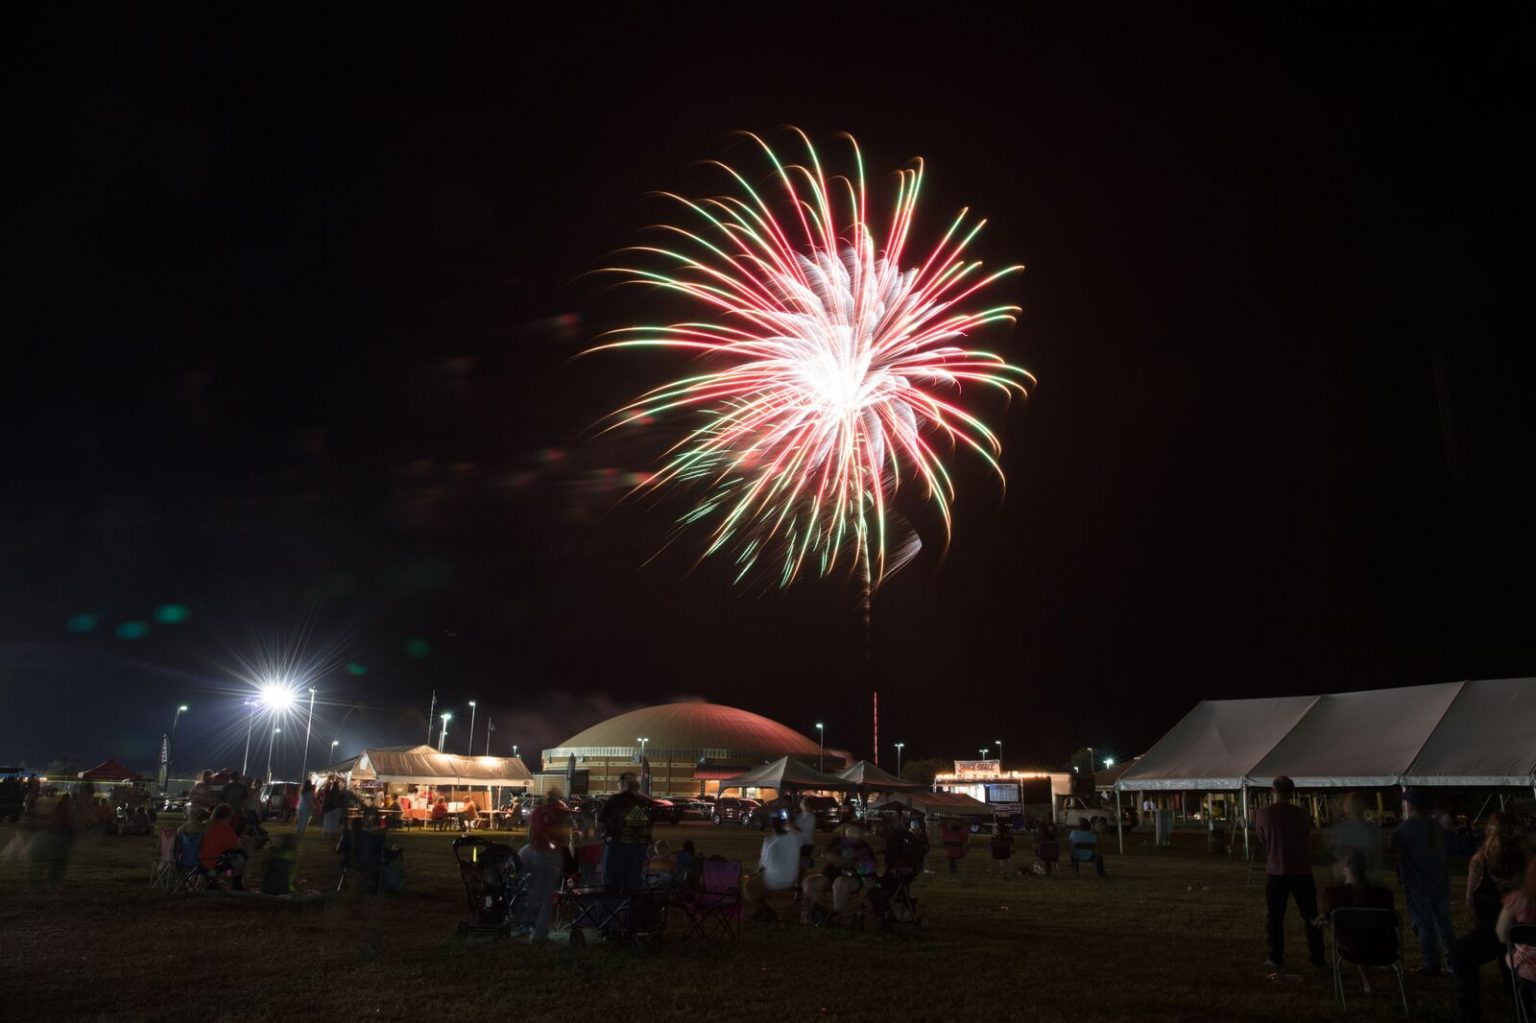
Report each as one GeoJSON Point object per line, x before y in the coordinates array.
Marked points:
{"type": "Point", "coordinates": [1419, 842]}
{"type": "Point", "coordinates": [306, 809]}
{"type": "Point", "coordinates": [626, 820]}
{"type": "Point", "coordinates": [1495, 870]}
{"type": "Point", "coordinates": [1285, 829]}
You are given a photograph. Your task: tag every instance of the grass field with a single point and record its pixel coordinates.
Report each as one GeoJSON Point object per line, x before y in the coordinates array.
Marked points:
{"type": "Point", "coordinates": [1175, 934]}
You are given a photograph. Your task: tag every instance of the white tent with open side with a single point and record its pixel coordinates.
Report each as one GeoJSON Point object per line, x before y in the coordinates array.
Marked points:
{"type": "Point", "coordinates": [424, 765]}
{"type": "Point", "coordinates": [1475, 734]}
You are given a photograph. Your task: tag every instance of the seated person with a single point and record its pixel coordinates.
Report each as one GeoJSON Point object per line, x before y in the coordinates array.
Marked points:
{"type": "Point", "coordinates": [470, 812]}
{"type": "Point", "coordinates": [221, 849]}
{"type": "Point", "coordinates": [195, 824]}
{"type": "Point", "coordinates": [1047, 850]}
{"type": "Point", "coordinates": [1520, 908]}
{"type": "Point", "coordinates": [778, 869]}
{"type": "Point", "coordinates": [690, 866]}
{"type": "Point", "coordinates": [660, 866]}
{"type": "Point", "coordinates": [850, 864]}
{"type": "Point", "coordinates": [903, 849]}
{"type": "Point", "coordinates": [1085, 848]}
{"type": "Point", "coordinates": [440, 813]}
{"type": "Point", "coordinates": [1369, 945]}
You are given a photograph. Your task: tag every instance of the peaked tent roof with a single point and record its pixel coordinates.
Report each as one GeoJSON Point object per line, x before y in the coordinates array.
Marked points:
{"type": "Point", "coordinates": [784, 772]}
{"type": "Point", "coordinates": [941, 804]}
{"type": "Point", "coordinates": [1453, 733]}
{"type": "Point", "coordinates": [109, 770]}
{"type": "Point", "coordinates": [423, 765]}
{"type": "Point", "coordinates": [872, 778]}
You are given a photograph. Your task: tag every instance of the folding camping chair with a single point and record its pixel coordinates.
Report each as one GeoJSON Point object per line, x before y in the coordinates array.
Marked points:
{"type": "Point", "coordinates": [189, 874]}
{"type": "Point", "coordinates": [162, 872]}
{"type": "Point", "coordinates": [714, 911]}
{"type": "Point", "coordinates": [1358, 923]}
{"type": "Point", "coordinates": [1524, 990]}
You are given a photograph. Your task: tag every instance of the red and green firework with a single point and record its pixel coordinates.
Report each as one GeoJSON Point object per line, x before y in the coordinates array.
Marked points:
{"type": "Point", "coordinates": [826, 374]}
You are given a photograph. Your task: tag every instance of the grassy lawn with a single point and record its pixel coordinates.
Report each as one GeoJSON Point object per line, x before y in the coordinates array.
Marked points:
{"type": "Point", "coordinates": [1175, 934]}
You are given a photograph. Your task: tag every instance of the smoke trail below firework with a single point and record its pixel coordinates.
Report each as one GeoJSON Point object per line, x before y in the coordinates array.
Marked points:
{"type": "Point", "coordinates": [828, 375]}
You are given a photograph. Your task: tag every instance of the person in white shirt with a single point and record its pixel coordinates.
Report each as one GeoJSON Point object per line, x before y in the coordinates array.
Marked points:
{"type": "Point", "coordinates": [778, 869]}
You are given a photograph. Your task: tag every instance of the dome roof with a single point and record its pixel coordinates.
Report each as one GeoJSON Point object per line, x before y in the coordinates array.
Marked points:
{"type": "Point", "coordinates": [694, 726]}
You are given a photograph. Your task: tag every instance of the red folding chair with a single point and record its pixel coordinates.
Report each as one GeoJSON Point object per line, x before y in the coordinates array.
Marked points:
{"type": "Point", "coordinates": [714, 911]}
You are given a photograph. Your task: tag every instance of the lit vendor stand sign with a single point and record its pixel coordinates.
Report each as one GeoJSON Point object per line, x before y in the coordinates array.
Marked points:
{"type": "Point", "coordinates": [1019, 797]}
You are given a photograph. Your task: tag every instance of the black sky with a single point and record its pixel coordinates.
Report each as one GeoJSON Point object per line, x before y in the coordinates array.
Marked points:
{"type": "Point", "coordinates": [293, 307]}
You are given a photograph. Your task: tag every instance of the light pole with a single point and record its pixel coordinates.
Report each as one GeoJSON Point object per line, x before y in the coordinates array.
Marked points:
{"type": "Point", "coordinates": [899, 746]}
{"type": "Point", "coordinates": [821, 740]}
{"type": "Point", "coordinates": [642, 741]}
{"type": "Point", "coordinates": [308, 726]}
{"type": "Point", "coordinates": [334, 744]}
{"type": "Point", "coordinates": [999, 753]}
{"type": "Point", "coordinates": [984, 750]}
{"type": "Point", "coordinates": [170, 749]}
{"type": "Point", "coordinates": [442, 739]}
{"type": "Point", "coordinates": [275, 732]}
{"type": "Point", "coordinates": [514, 750]}
{"type": "Point", "coordinates": [470, 749]}
{"type": "Point", "coordinates": [245, 764]}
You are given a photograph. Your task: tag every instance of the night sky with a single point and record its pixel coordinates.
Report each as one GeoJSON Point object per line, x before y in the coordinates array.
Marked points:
{"type": "Point", "coordinates": [292, 311]}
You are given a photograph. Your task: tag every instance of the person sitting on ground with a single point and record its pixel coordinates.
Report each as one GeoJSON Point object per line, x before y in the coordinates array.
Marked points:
{"type": "Point", "coordinates": [1357, 892]}
{"type": "Point", "coordinates": [778, 869]}
{"type": "Point", "coordinates": [221, 849]}
{"type": "Point", "coordinates": [1520, 908]}
{"type": "Point", "coordinates": [1001, 845]}
{"type": "Point", "coordinates": [1085, 848]}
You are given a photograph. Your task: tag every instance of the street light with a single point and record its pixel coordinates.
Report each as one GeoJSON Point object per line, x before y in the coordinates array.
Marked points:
{"type": "Point", "coordinates": [275, 732]}
{"type": "Point", "coordinates": [514, 750]}
{"type": "Point", "coordinates": [442, 739]}
{"type": "Point", "coordinates": [899, 746]}
{"type": "Point", "coordinates": [245, 763]}
{"type": "Point", "coordinates": [170, 749]}
{"type": "Point", "coordinates": [984, 751]}
{"type": "Point", "coordinates": [470, 749]}
{"type": "Point", "coordinates": [308, 725]}
{"type": "Point", "coordinates": [999, 753]}
{"type": "Point", "coordinates": [642, 741]}
{"type": "Point", "coordinates": [821, 739]}
{"type": "Point", "coordinates": [334, 744]}
{"type": "Point", "coordinates": [1109, 761]}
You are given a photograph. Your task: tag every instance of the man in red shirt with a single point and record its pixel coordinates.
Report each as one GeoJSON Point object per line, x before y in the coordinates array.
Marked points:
{"type": "Point", "coordinates": [1285, 829]}
{"type": "Point", "coordinates": [219, 840]}
{"type": "Point", "coordinates": [548, 832]}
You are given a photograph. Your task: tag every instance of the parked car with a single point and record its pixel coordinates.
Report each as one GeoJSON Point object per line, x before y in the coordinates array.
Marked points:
{"type": "Point", "coordinates": [692, 810]}
{"type": "Point", "coordinates": [830, 814]}
{"type": "Point", "coordinates": [732, 810]}
{"type": "Point", "coordinates": [664, 811]}
{"type": "Point", "coordinates": [1100, 814]}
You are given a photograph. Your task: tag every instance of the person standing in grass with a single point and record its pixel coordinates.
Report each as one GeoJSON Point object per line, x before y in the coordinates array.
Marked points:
{"type": "Point", "coordinates": [548, 834]}
{"type": "Point", "coordinates": [955, 835]}
{"type": "Point", "coordinates": [306, 809]}
{"type": "Point", "coordinates": [1002, 848]}
{"type": "Point", "coordinates": [1420, 846]}
{"type": "Point", "coordinates": [1285, 829]}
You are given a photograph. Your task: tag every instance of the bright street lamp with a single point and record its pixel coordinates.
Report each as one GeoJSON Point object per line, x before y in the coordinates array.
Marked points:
{"type": "Point", "coordinates": [984, 751]}
{"type": "Point", "coordinates": [999, 752]}
{"type": "Point", "coordinates": [470, 749]}
{"type": "Point", "coordinates": [899, 747]}
{"type": "Point", "coordinates": [334, 744]}
{"type": "Point", "coordinates": [442, 739]}
{"type": "Point", "coordinates": [1109, 761]}
{"type": "Point", "coordinates": [642, 741]}
{"type": "Point", "coordinates": [170, 749]}
{"type": "Point", "coordinates": [821, 739]}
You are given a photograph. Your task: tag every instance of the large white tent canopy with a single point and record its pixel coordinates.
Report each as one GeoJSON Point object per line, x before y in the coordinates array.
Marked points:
{"type": "Point", "coordinates": [423, 765]}
{"type": "Point", "coordinates": [1479, 733]}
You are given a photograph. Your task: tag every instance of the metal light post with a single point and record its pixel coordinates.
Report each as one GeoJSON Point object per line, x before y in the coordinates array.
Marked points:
{"type": "Point", "coordinates": [642, 740]}
{"type": "Point", "coordinates": [899, 746]}
{"type": "Point", "coordinates": [170, 750]}
{"type": "Point", "coordinates": [334, 744]}
{"type": "Point", "coordinates": [308, 726]}
{"type": "Point", "coordinates": [470, 749]}
{"type": "Point", "coordinates": [270, 744]}
{"type": "Point", "coordinates": [245, 764]}
{"type": "Point", "coordinates": [984, 750]}
{"type": "Point", "coordinates": [999, 753]}
{"type": "Point", "coordinates": [514, 750]}
{"type": "Point", "coordinates": [442, 739]}
{"type": "Point", "coordinates": [821, 739]}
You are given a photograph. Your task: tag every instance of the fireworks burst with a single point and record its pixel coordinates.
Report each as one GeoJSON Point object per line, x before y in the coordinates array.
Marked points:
{"type": "Point", "coordinates": [829, 373]}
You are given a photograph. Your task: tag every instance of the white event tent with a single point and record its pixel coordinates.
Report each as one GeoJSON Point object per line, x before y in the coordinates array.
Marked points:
{"type": "Point", "coordinates": [1478, 734]}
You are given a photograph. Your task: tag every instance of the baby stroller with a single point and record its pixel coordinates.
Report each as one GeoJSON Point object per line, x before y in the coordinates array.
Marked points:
{"type": "Point", "coordinates": [893, 902]}
{"type": "Point", "coordinates": [494, 883]}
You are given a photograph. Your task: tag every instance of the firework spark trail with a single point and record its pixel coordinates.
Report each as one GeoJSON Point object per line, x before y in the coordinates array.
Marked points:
{"type": "Point", "coordinates": [830, 371]}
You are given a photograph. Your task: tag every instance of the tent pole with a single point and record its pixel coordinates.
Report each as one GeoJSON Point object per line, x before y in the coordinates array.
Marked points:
{"type": "Point", "coordinates": [1119, 821]}
{"type": "Point", "coordinates": [1246, 857]}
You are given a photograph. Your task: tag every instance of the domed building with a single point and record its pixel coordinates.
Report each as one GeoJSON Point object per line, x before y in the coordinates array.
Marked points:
{"type": "Point", "coordinates": [690, 746]}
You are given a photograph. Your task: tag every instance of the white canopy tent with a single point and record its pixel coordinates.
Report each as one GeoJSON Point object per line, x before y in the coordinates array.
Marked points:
{"type": "Point", "coordinates": [1475, 734]}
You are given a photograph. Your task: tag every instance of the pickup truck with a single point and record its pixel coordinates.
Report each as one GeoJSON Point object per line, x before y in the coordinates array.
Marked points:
{"type": "Point", "coordinates": [1101, 815]}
